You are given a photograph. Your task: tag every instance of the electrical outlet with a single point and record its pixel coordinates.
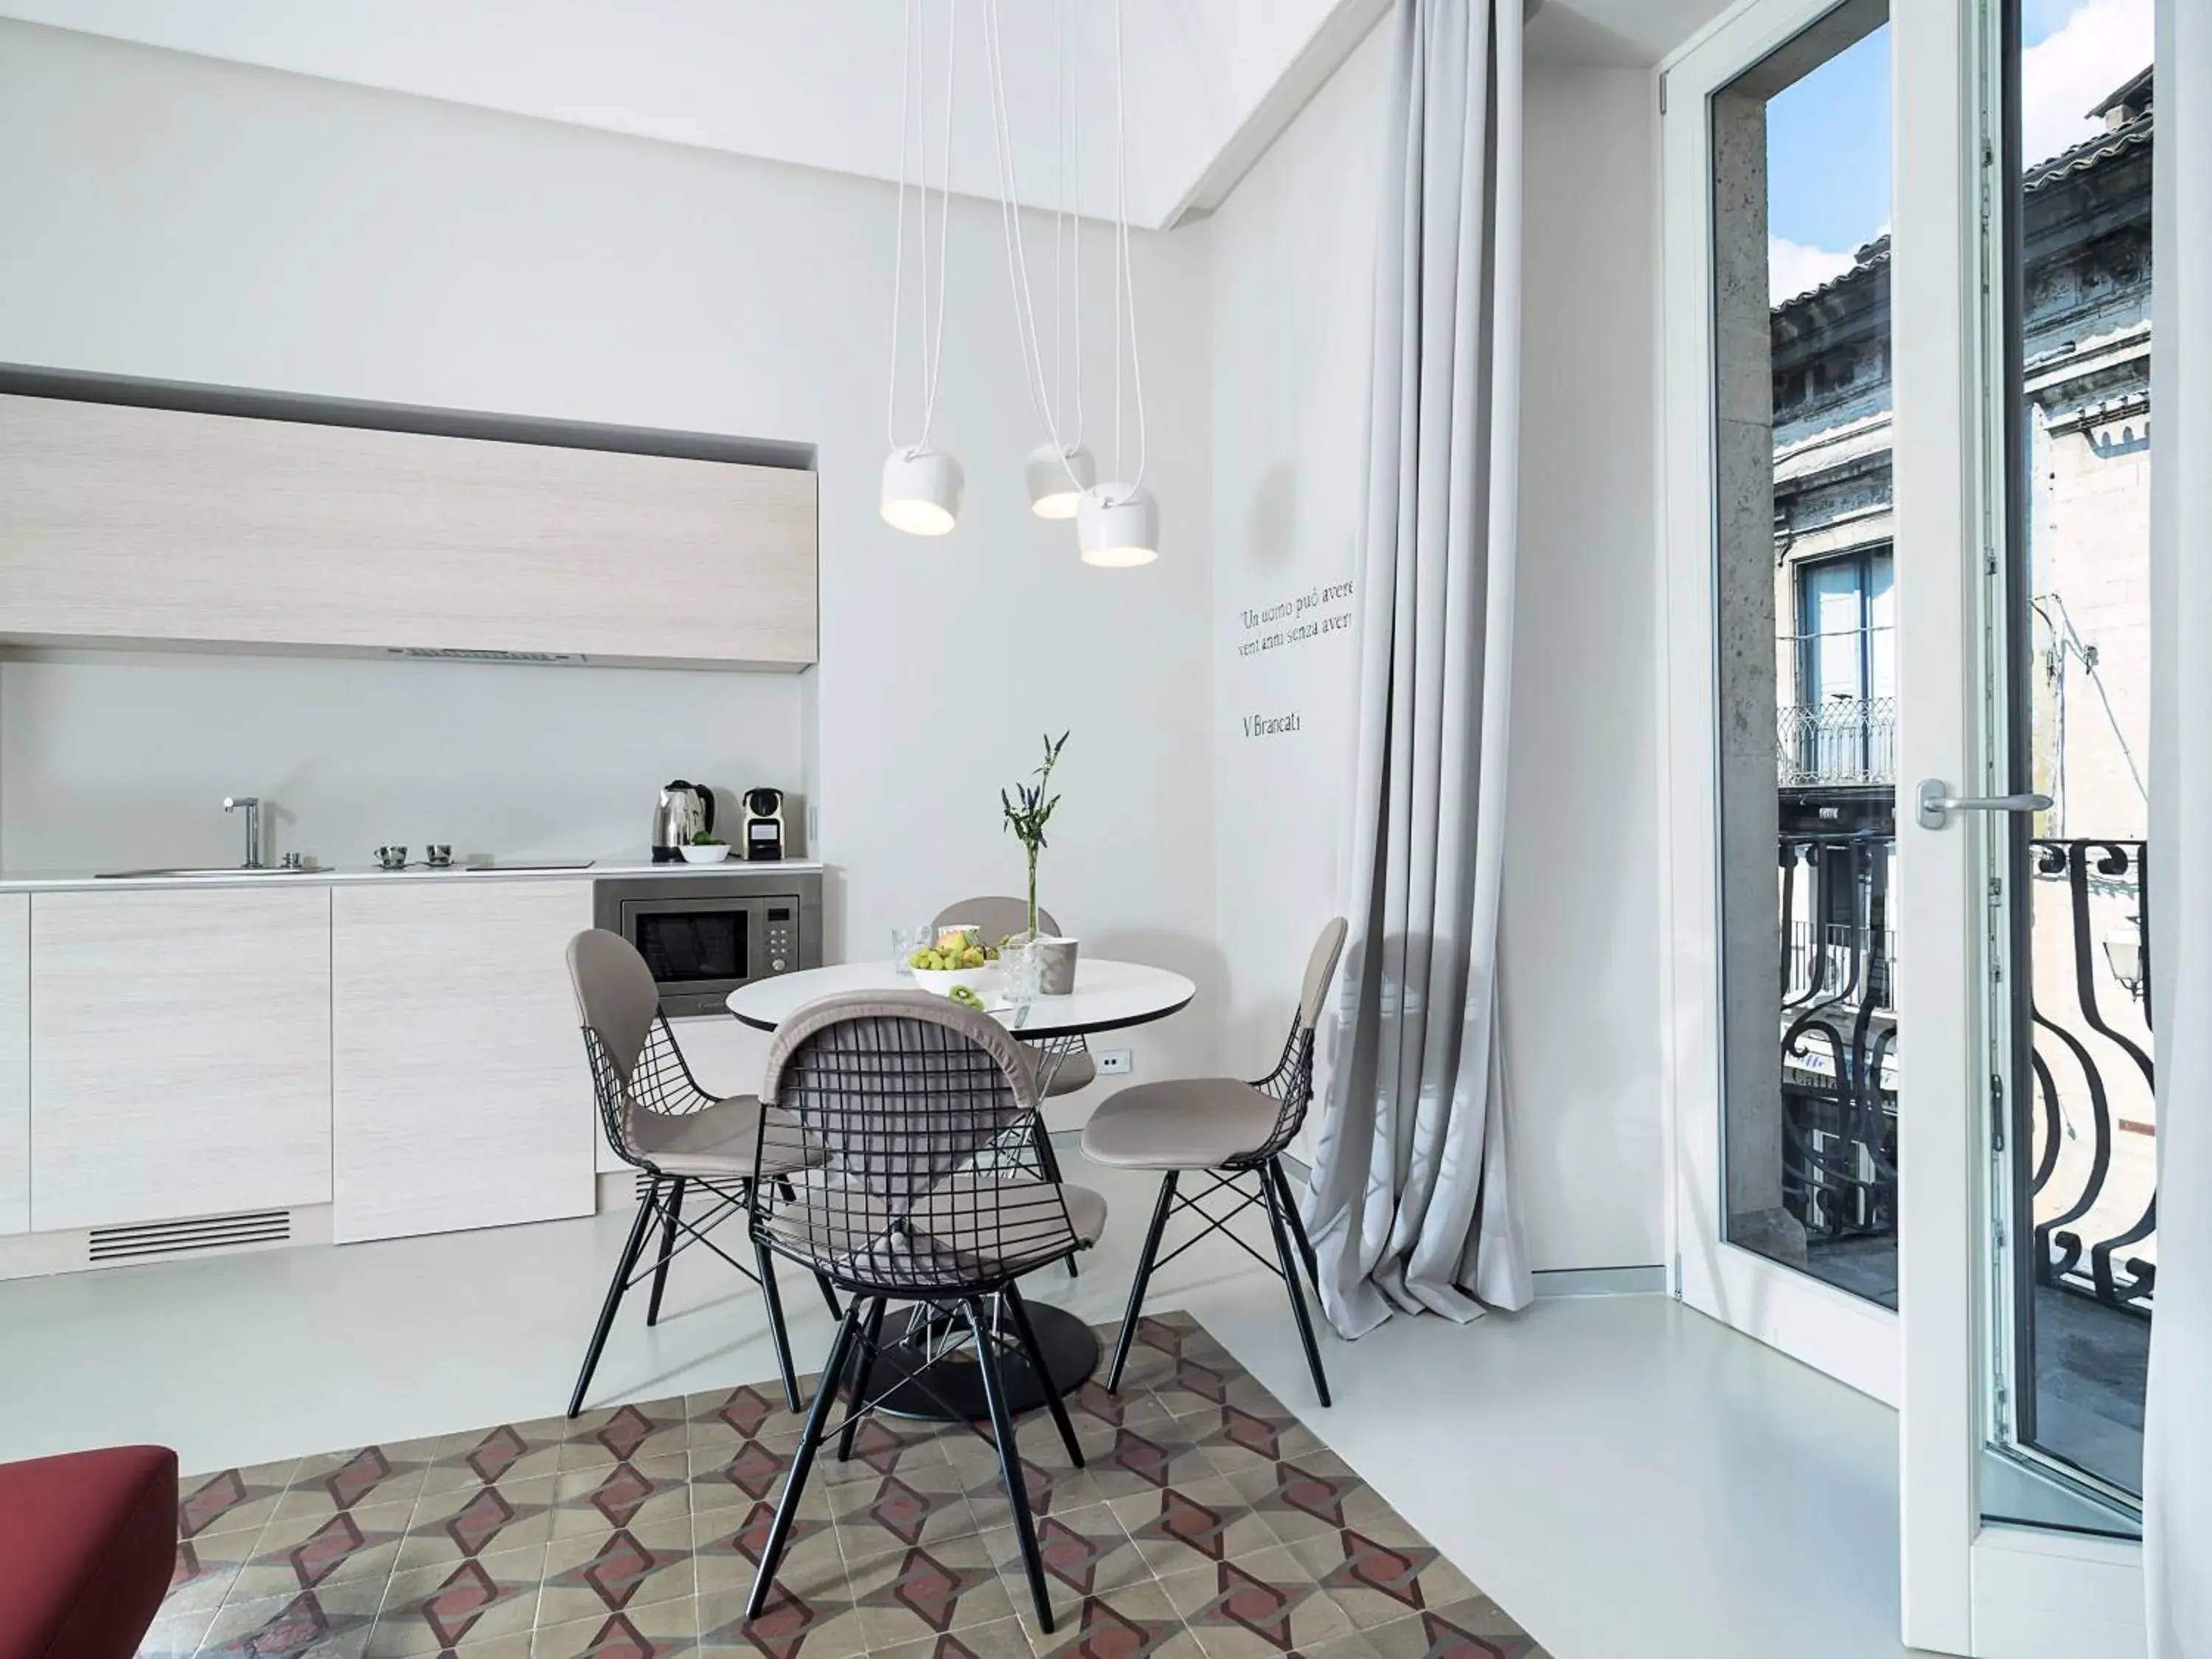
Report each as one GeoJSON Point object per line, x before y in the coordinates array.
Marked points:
{"type": "Point", "coordinates": [1116, 1062]}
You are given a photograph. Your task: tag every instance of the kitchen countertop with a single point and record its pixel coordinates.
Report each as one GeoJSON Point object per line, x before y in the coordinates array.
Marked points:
{"type": "Point", "coordinates": [622, 864]}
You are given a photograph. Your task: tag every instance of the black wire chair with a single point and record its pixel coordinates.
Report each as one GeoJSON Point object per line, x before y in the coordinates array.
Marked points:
{"type": "Point", "coordinates": [1228, 1132]}
{"type": "Point", "coordinates": [906, 1093]}
{"type": "Point", "coordinates": [682, 1139]}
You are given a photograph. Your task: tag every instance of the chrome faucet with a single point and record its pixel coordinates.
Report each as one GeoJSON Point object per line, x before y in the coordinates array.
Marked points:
{"type": "Point", "coordinates": [251, 804]}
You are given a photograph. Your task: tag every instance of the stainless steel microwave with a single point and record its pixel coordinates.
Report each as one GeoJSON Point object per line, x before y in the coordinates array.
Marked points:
{"type": "Point", "coordinates": [707, 933]}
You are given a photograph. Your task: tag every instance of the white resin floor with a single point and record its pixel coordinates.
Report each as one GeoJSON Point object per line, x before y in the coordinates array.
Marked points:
{"type": "Point", "coordinates": [1628, 1480]}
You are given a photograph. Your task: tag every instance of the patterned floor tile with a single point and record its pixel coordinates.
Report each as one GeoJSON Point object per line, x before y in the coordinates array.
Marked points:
{"type": "Point", "coordinates": [1208, 1523]}
{"type": "Point", "coordinates": [1265, 1604]}
{"type": "Point", "coordinates": [645, 1493]}
{"type": "Point", "coordinates": [927, 1590]}
{"type": "Point", "coordinates": [1136, 1622]}
{"type": "Point", "coordinates": [1467, 1632]}
{"type": "Point", "coordinates": [789, 1626]}
{"type": "Point", "coordinates": [664, 1629]}
{"type": "Point", "coordinates": [629, 1568]}
{"type": "Point", "coordinates": [430, 1609]}
{"type": "Point", "coordinates": [325, 1620]}
{"type": "Point", "coordinates": [292, 1556]}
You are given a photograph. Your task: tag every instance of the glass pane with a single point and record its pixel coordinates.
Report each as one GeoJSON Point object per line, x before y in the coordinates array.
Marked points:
{"type": "Point", "coordinates": [2083, 1153]}
{"type": "Point", "coordinates": [690, 946]}
{"type": "Point", "coordinates": [1807, 665]}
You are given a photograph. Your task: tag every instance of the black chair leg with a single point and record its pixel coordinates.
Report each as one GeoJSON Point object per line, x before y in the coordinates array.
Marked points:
{"type": "Point", "coordinates": [773, 1296]}
{"type": "Point", "coordinates": [1284, 1255]}
{"type": "Point", "coordinates": [623, 1268]}
{"type": "Point", "coordinates": [1296, 1222]}
{"type": "Point", "coordinates": [1048, 1167]}
{"type": "Point", "coordinates": [829, 1295]}
{"type": "Point", "coordinates": [864, 1365]}
{"type": "Point", "coordinates": [1160, 1212]}
{"type": "Point", "coordinates": [667, 1249]}
{"type": "Point", "coordinates": [795, 1482]}
{"type": "Point", "coordinates": [1010, 1458]}
{"type": "Point", "coordinates": [1018, 1310]}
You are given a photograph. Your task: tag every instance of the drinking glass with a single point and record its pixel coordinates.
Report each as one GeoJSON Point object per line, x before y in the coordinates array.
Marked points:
{"type": "Point", "coordinates": [905, 941]}
{"type": "Point", "coordinates": [1019, 968]}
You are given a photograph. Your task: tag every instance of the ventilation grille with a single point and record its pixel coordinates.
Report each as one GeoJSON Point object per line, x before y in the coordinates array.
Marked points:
{"type": "Point", "coordinates": [455, 653]}
{"type": "Point", "coordinates": [214, 1232]}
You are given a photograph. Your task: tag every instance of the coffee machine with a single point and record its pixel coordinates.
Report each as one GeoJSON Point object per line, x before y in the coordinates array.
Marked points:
{"type": "Point", "coordinates": [762, 837]}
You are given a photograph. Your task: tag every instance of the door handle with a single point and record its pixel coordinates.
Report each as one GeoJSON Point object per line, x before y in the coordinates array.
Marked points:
{"type": "Point", "coordinates": [1936, 803]}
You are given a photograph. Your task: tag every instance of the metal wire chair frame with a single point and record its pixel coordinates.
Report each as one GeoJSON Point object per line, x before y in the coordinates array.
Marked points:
{"type": "Point", "coordinates": [1291, 1086]}
{"type": "Point", "coordinates": [661, 1083]}
{"type": "Point", "coordinates": [904, 1093]}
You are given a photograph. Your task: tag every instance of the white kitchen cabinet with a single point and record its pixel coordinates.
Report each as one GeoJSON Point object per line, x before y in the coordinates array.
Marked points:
{"type": "Point", "coordinates": [462, 1098]}
{"type": "Point", "coordinates": [124, 525]}
{"type": "Point", "coordinates": [726, 1055]}
{"type": "Point", "coordinates": [181, 1053]}
{"type": "Point", "coordinates": [14, 1063]}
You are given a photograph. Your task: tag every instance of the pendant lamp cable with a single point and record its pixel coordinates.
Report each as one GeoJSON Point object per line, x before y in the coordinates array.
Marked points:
{"type": "Point", "coordinates": [913, 124]}
{"type": "Point", "coordinates": [1018, 274]}
{"type": "Point", "coordinates": [1125, 281]}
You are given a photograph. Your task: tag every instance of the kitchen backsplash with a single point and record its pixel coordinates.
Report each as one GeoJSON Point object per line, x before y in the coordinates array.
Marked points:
{"type": "Point", "coordinates": [113, 759]}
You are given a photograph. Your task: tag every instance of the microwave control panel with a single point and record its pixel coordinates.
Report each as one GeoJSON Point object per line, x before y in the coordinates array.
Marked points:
{"type": "Point", "coordinates": [780, 933]}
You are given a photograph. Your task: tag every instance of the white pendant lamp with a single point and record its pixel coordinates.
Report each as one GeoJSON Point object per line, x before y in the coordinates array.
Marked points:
{"type": "Point", "coordinates": [921, 491]}
{"type": "Point", "coordinates": [922, 484]}
{"type": "Point", "coordinates": [1118, 526]}
{"type": "Point", "coordinates": [1057, 475]}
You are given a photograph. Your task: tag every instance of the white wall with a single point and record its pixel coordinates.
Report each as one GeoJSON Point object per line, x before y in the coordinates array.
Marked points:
{"type": "Point", "coordinates": [178, 217]}
{"type": "Point", "coordinates": [1582, 942]}
{"type": "Point", "coordinates": [1291, 283]}
{"type": "Point", "coordinates": [1293, 259]}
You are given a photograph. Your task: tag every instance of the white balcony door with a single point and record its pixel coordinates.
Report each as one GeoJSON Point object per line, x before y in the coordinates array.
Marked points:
{"type": "Point", "coordinates": [1904, 1060]}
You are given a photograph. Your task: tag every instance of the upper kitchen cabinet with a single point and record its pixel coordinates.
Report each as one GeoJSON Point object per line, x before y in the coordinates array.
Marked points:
{"type": "Point", "coordinates": [123, 523]}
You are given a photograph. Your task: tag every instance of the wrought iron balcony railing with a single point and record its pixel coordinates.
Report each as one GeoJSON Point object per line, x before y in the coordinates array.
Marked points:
{"type": "Point", "coordinates": [1840, 741]}
{"type": "Point", "coordinates": [2091, 1182]}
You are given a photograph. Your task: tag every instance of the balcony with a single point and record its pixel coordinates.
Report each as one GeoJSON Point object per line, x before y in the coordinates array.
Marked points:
{"type": "Point", "coordinates": [1840, 742]}
{"type": "Point", "coordinates": [2086, 1177]}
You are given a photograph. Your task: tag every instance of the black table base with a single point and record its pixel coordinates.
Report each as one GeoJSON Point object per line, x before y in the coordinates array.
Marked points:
{"type": "Point", "coordinates": [906, 1381]}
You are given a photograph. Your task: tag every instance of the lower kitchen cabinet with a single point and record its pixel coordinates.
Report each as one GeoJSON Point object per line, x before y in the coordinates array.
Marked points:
{"type": "Point", "coordinates": [179, 1053]}
{"type": "Point", "coordinates": [460, 1093]}
{"type": "Point", "coordinates": [14, 1063]}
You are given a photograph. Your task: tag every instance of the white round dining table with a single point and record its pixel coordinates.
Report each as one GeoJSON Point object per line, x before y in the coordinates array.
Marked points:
{"type": "Point", "coordinates": [915, 1373]}
{"type": "Point", "coordinates": [1108, 996]}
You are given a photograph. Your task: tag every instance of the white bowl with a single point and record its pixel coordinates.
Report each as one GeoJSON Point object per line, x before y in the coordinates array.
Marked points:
{"type": "Point", "coordinates": [714, 854]}
{"type": "Point", "coordinates": [985, 982]}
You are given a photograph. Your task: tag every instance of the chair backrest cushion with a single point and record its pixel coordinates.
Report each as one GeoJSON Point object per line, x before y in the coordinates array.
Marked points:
{"type": "Point", "coordinates": [614, 994]}
{"type": "Point", "coordinates": [996, 918]}
{"type": "Point", "coordinates": [901, 1090]}
{"type": "Point", "coordinates": [1320, 968]}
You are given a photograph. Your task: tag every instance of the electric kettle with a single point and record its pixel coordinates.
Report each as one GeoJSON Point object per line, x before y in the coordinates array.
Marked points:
{"type": "Point", "coordinates": [685, 813]}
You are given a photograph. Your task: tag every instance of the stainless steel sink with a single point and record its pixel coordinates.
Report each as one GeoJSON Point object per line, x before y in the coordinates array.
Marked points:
{"type": "Point", "coordinates": [211, 872]}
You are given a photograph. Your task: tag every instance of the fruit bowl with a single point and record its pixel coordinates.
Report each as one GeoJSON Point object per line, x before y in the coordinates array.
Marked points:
{"type": "Point", "coordinates": [984, 981]}
{"type": "Point", "coordinates": [713, 852]}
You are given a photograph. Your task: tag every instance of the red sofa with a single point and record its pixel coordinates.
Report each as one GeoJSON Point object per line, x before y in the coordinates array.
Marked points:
{"type": "Point", "coordinates": [87, 1546]}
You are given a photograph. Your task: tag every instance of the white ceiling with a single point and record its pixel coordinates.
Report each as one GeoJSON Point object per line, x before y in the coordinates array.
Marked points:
{"type": "Point", "coordinates": [817, 81]}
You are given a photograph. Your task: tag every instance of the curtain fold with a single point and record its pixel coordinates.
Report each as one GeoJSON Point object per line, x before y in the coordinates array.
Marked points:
{"type": "Point", "coordinates": [1410, 1201]}
{"type": "Point", "coordinates": [2177, 1429]}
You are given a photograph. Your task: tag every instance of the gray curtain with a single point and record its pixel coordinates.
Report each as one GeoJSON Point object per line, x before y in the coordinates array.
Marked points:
{"type": "Point", "coordinates": [1410, 1204]}
{"type": "Point", "coordinates": [2176, 1430]}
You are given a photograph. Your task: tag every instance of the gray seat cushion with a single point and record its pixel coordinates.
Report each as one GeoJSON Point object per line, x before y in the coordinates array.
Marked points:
{"type": "Point", "coordinates": [1195, 1123]}
{"type": "Point", "coordinates": [1077, 1071]}
{"type": "Point", "coordinates": [718, 1142]}
{"type": "Point", "coordinates": [944, 1233]}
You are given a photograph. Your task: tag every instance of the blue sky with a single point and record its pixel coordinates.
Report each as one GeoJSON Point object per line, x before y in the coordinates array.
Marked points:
{"type": "Point", "coordinates": [1827, 143]}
